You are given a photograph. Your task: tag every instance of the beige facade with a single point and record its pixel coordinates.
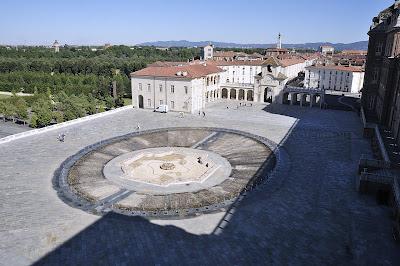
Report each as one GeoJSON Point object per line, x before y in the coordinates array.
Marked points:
{"type": "Point", "coordinates": [182, 92]}
{"type": "Point", "coordinates": [255, 81]}
{"type": "Point", "coordinates": [337, 78]}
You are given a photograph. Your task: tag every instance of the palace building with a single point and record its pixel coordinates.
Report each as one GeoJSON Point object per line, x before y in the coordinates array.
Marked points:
{"type": "Point", "coordinates": [182, 87]}
{"type": "Point", "coordinates": [188, 86]}
{"type": "Point", "coordinates": [336, 78]}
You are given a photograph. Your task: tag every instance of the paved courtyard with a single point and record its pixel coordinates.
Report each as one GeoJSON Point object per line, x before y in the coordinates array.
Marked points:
{"type": "Point", "coordinates": [309, 213]}
{"type": "Point", "coordinates": [10, 128]}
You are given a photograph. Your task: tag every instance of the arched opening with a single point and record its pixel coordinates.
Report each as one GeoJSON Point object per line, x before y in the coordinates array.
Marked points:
{"type": "Point", "coordinates": [224, 93]}
{"type": "Point", "coordinates": [141, 101]}
{"type": "Point", "coordinates": [267, 95]}
{"type": "Point", "coordinates": [304, 99]}
{"type": "Point", "coordinates": [250, 95]}
{"type": "Point", "coordinates": [313, 100]}
{"type": "Point", "coordinates": [295, 100]}
{"type": "Point", "coordinates": [285, 98]}
{"type": "Point", "coordinates": [241, 94]}
{"type": "Point", "coordinates": [233, 94]}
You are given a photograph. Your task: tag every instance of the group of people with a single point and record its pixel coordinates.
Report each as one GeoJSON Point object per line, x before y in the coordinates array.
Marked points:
{"type": "Point", "coordinates": [200, 161]}
{"type": "Point", "coordinates": [242, 105]}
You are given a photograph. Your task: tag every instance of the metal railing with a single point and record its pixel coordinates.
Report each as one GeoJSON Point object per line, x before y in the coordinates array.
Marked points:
{"type": "Point", "coordinates": [377, 178]}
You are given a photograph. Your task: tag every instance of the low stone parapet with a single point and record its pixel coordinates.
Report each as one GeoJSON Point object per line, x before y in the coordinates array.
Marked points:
{"type": "Point", "coordinates": [61, 125]}
{"type": "Point", "coordinates": [371, 164]}
{"type": "Point", "coordinates": [368, 128]}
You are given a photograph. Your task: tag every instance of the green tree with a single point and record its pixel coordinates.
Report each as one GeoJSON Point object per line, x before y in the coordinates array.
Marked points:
{"type": "Point", "coordinates": [43, 109]}
{"type": "Point", "coordinates": [9, 110]}
{"type": "Point", "coordinates": [101, 108]}
{"type": "Point", "coordinates": [21, 108]}
{"type": "Point", "coordinates": [2, 110]}
{"type": "Point", "coordinates": [110, 102]}
{"type": "Point", "coordinates": [91, 104]}
{"type": "Point", "coordinates": [34, 121]}
{"type": "Point", "coordinates": [73, 108]}
{"type": "Point", "coordinates": [44, 117]}
{"type": "Point", "coordinates": [58, 116]}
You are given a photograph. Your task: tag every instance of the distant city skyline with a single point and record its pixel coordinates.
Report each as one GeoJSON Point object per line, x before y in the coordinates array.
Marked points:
{"type": "Point", "coordinates": [93, 22]}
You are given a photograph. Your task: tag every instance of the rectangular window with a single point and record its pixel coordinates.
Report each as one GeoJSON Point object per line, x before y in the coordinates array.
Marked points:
{"type": "Point", "coordinates": [160, 86]}
{"type": "Point", "coordinates": [149, 103]}
{"type": "Point", "coordinates": [161, 102]}
{"type": "Point", "coordinates": [140, 86]}
{"type": "Point", "coordinates": [375, 74]}
{"type": "Point", "coordinates": [148, 88]}
{"type": "Point", "coordinates": [172, 105]}
{"type": "Point", "coordinates": [378, 48]}
{"type": "Point", "coordinates": [172, 89]}
{"type": "Point", "coordinates": [186, 90]}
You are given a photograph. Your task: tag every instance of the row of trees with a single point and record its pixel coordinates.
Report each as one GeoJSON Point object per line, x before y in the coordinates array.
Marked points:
{"type": "Point", "coordinates": [43, 109]}
{"type": "Point", "coordinates": [14, 108]}
{"type": "Point", "coordinates": [84, 61]}
{"type": "Point", "coordinates": [149, 54]}
{"type": "Point", "coordinates": [27, 82]}
{"type": "Point", "coordinates": [78, 70]}
{"type": "Point", "coordinates": [104, 66]}
{"type": "Point", "coordinates": [74, 82]}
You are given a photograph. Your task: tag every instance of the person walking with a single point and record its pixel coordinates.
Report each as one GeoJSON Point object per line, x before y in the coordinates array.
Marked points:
{"type": "Point", "coordinates": [61, 137]}
{"type": "Point", "coordinates": [138, 127]}
{"type": "Point", "coordinates": [204, 114]}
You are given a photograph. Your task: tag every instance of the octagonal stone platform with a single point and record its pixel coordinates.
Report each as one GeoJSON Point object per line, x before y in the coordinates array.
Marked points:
{"type": "Point", "coordinates": [193, 170]}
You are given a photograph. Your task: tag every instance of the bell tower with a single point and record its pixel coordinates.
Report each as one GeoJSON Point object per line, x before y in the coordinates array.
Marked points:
{"type": "Point", "coordinates": [279, 43]}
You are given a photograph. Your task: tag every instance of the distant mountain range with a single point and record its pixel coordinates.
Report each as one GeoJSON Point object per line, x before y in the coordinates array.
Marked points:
{"type": "Point", "coordinates": [362, 45]}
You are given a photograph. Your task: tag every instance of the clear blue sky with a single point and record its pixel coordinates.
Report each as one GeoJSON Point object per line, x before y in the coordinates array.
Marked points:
{"type": "Point", "coordinates": [136, 21]}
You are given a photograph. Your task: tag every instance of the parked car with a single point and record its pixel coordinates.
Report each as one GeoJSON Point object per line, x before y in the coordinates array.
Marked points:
{"type": "Point", "coordinates": [163, 108]}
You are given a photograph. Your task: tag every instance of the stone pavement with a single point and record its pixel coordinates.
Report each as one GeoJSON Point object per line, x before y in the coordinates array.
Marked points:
{"type": "Point", "coordinates": [313, 215]}
{"type": "Point", "coordinates": [10, 128]}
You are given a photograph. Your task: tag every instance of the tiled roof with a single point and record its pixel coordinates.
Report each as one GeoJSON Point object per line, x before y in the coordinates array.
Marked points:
{"type": "Point", "coordinates": [338, 68]}
{"type": "Point", "coordinates": [237, 63]}
{"type": "Point", "coordinates": [310, 56]}
{"type": "Point", "coordinates": [354, 52]}
{"type": "Point", "coordinates": [272, 49]}
{"type": "Point", "coordinates": [224, 54]}
{"type": "Point", "coordinates": [291, 61]}
{"type": "Point", "coordinates": [271, 61]}
{"type": "Point", "coordinates": [165, 64]}
{"type": "Point", "coordinates": [185, 71]}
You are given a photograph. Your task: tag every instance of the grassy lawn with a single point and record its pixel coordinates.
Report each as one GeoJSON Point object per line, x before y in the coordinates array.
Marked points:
{"type": "Point", "coordinates": [127, 101]}
{"type": "Point", "coordinates": [2, 96]}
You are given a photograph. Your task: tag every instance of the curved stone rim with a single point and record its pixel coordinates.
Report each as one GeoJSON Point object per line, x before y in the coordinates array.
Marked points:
{"type": "Point", "coordinates": [65, 193]}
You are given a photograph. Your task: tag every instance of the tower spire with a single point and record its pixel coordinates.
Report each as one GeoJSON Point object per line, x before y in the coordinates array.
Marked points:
{"type": "Point", "coordinates": [279, 44]}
